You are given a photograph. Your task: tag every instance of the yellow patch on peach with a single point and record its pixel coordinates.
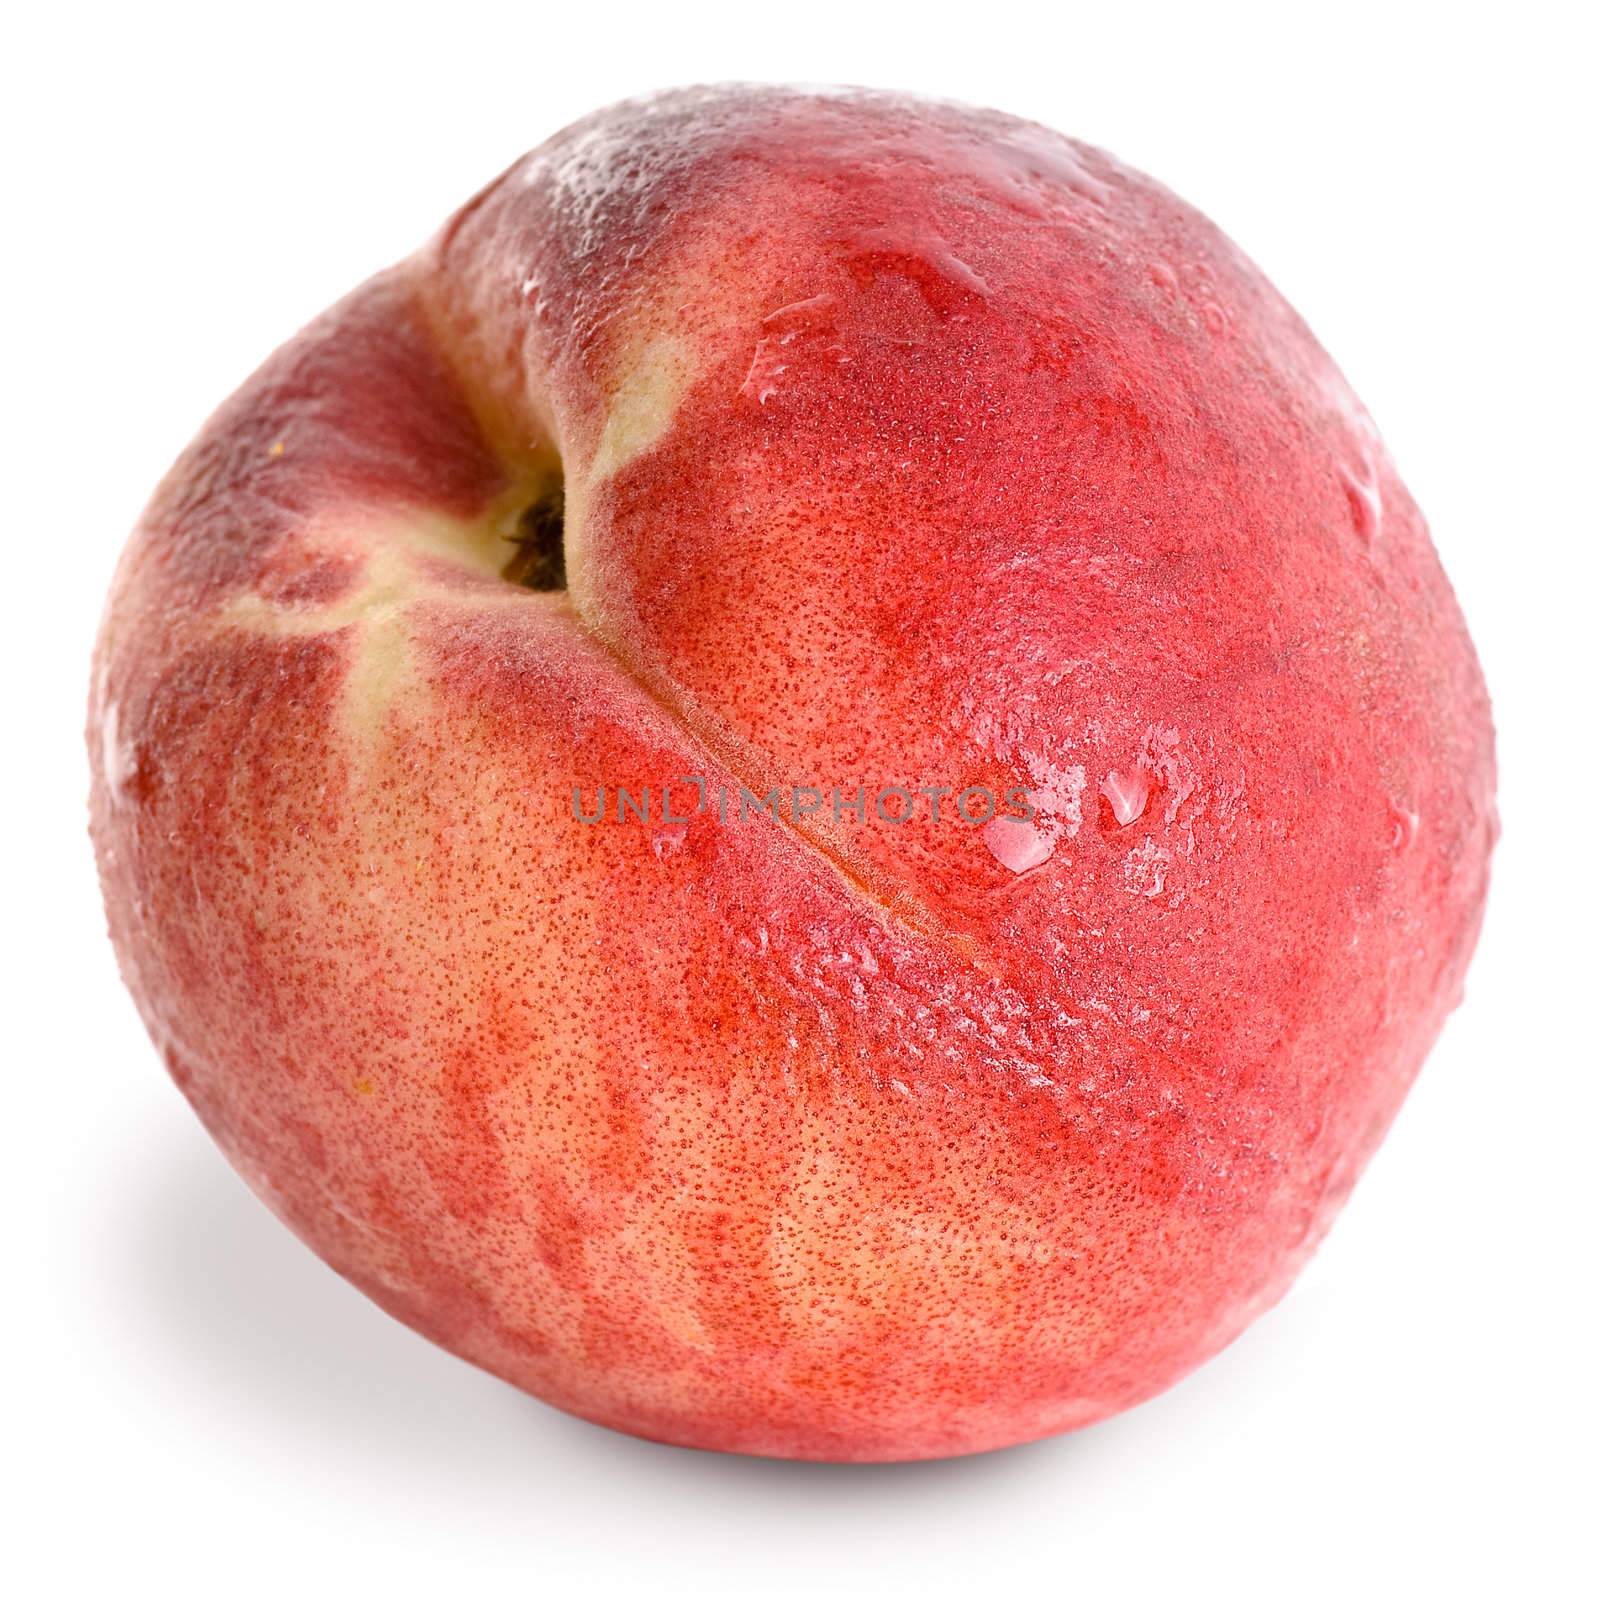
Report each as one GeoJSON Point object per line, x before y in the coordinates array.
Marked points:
{"type": "Point", "coordinates": [645, 401]}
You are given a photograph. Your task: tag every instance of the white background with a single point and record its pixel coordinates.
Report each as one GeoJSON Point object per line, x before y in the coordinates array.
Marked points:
{"type": "Point", "coordinates": [195, 1403]}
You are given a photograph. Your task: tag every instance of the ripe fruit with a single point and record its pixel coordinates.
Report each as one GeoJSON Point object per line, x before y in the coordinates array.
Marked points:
{"type": "Point", "coordinates": [740, 440]}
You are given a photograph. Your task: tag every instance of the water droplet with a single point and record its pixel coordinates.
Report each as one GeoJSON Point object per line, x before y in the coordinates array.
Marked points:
{"type": "Point", "coordinates": [1016, 844]}
{"type": "Point", "coordinates": [1127, 795]}
{"type": "Point", "coordinates": [113, 763]}
{"type": "Point", "coordinates": [924, 256]}
{"type": "Point", "coordinates": [669, 839]}
{"type": "Point", "coordinates": [1364, 496]}
{"type": "Point", "coordinates": [790, 335]}
{"type": "Point", "coordinates": [128, 771]}
{"type": "Point", "coordinates": [1402, 826]}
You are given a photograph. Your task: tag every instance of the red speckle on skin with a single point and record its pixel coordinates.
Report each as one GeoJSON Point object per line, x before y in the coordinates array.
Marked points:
{"type": "Point", "coordinates": [974, 459]}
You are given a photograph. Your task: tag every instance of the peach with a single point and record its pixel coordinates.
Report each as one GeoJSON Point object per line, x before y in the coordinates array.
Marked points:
{"type": "Point", "coordinates": [1045, 783]}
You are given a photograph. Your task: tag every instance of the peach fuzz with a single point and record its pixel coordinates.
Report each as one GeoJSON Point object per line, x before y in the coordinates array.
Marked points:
{"type": "Point", "coordinates": [798, 438]}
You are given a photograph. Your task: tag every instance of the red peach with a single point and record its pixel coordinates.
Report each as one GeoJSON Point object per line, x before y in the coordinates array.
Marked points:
{"type": "Point", "coordinates": [895, 453]}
